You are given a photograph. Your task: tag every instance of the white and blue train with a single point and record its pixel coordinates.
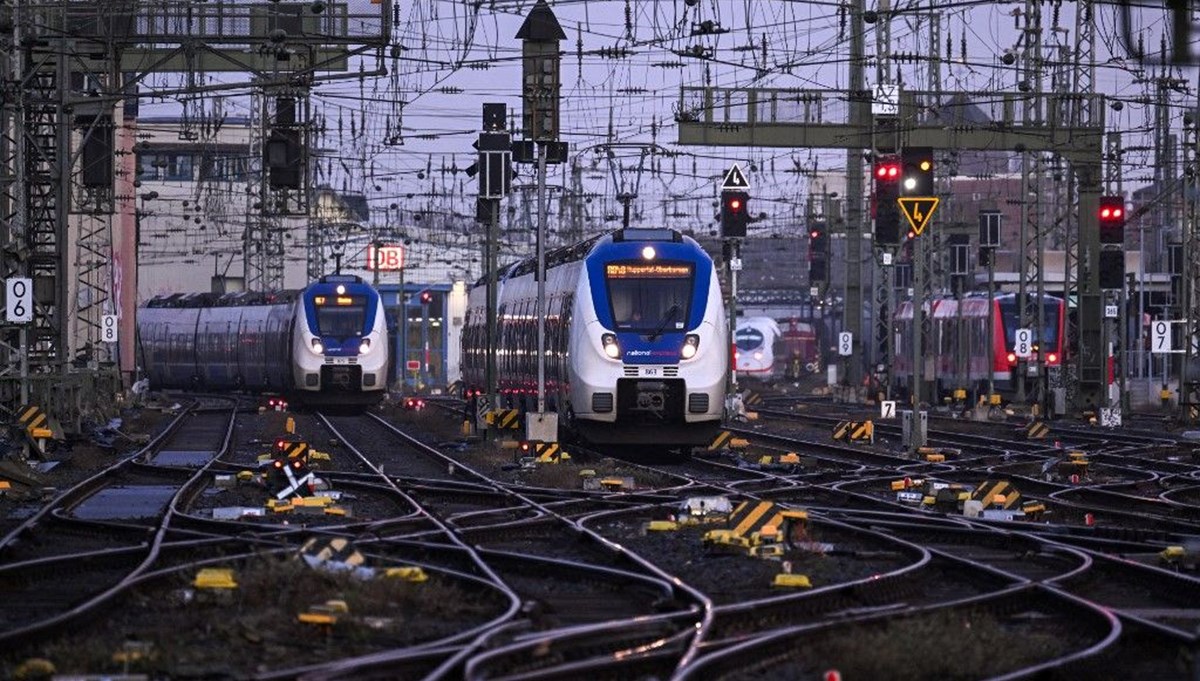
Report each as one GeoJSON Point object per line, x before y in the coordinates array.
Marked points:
{"type": "Point", "coordinates": [637, 346]}
{"type": "Point", "coordinates": [327, 344]}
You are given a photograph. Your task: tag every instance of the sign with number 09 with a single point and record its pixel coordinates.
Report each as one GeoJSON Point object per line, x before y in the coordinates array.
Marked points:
{"type": "Point", "coordinates": [845, 343]}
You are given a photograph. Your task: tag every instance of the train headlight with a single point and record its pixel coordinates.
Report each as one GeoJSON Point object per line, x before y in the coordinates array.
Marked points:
{"type": "Point", "coordinates": [648, 253]}
{"type": "Point", "coordinates": [365, 346]}
{"type": "Point", "coordinates": [691, 343]}
{"type": "Point", "coordinates": [758, 355]}
{"type": "Point", "coordinates": [316, 347]}
{"type": "Point", "coordinates": [609, 341]}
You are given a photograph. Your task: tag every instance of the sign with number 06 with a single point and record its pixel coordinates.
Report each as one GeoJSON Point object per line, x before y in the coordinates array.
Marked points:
{"type": "Point", "coordinates": [18, 298]}
{"type": "Point", "coordinates": [108, 328]}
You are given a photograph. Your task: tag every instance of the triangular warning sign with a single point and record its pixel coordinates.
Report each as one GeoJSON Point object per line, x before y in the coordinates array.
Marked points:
{"type": "Point", "coordinates": [734, 179]}
{"type": "Point", "coordinates": [918, 210]}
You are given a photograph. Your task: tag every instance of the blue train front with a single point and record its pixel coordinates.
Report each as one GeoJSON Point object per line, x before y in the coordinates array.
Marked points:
{"type": "Point", "coordinates": [637, 344]}
{"type": "Point", "coordinates": [326, 344]}
{"type": "Point", "coordinates": [339, 344]}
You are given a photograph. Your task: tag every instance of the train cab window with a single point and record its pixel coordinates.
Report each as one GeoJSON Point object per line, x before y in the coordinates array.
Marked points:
{"type": "Point", "coordinates": [343, 319]}
{"type": "Point", "coordinates": [649, 296]}
{"type": "Point", "coordinates": [1011, 320]}
{"type": "Point", "coordinates": [748, 338]}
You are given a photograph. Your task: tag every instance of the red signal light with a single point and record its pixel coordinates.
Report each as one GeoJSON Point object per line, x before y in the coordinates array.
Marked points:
{"type": "Point", "coordinates": [1116, 212]}
{"type": "Point", "coordinates": [1105, 213]}
{"type": "Point", "coordinates": [735, 204]}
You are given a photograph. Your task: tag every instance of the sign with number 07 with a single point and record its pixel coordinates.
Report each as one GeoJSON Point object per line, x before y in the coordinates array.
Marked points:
{"type": "Point", "coordinates": [1160, 336]}
{"type": "Point", "coordinates": [845, 343]}
{"type": "Point", "coordinates": [18, 299]}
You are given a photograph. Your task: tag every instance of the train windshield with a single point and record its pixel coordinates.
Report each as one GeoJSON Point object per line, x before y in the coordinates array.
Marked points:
{"type": "Point", "coordinates": [1012, 321]}
{"type": "Point", "coordinates": [340, 316]}
{"type": "Point", "coordinates": [650, 297]}
{"type": "Point", "coordinates": [748, 338]}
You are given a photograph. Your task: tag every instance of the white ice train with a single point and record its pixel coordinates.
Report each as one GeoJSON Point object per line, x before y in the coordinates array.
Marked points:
{"type": "Point", "coordinates": [327, 344]}
{"type": "Point", "coordinates": [637, 346]}
{"type": "Point", "coordinates": [758, 341]}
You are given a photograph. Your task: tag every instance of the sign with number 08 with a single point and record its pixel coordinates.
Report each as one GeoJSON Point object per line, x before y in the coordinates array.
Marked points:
{"type": "Point", "coordinates": [1023, 345]}
{"type": "Point", "coordinates": [108, 328]}
{"type": "Point", "coordinates": [18, 308]}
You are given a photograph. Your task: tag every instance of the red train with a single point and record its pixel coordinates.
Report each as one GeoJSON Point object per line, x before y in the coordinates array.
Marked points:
{"type": "Point", "coordinates": [801, 351]}
{"type": "Point", "coordinates": [962, 354]}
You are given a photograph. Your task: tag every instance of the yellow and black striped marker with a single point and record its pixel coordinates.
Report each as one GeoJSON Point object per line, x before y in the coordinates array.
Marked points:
{"type": "Point", "coordinates": [1037, 430]}
{"type": "Point", "coordinates": [759, 518]}
{"type": "Point", "coordinates": [721, 441]}
{"type": "Point", "coordinates": [295, 450]}
{"type": "Point", "coordinates": [997, 494]}
{"type": "Point", "coordinates": [852, 431]}
{"type": "Point", "coordinates": [504, 419]}
{"type": "Point", "coordinates": [752, 399]}
{"type": "Point", "coordinates": [549, 452]}
{"type": "Point", "coordinates": [31, 418]}
{"type": "Point", "coordinates": [331, 549]}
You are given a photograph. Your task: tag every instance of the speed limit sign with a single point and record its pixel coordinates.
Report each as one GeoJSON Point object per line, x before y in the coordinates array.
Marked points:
{"type": "Point", "coordinates": [108, 328]}
{"type": "Point", "coordinates": [845, 343]}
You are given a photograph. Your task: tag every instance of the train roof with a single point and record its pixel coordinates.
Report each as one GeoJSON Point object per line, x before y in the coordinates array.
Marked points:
{"type": "Point", "coordinates": [580, 250]}
{"type": "Point", "coordinates": [205, 300]}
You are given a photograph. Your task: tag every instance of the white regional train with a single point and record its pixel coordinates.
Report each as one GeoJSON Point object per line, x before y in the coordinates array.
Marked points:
{"type": "Point", "coordinates": [327, 344]}
{"type": "Point", "coordinates": [637, 346]}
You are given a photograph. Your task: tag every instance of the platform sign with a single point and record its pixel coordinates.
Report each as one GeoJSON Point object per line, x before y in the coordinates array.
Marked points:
{"type": "Point", "coordinates": [1023, 345]}
{"type": "Point", "coordinates": [108, 328]}
{"type": "Point", "coordinates": [887, 409]}
{"type": "Point", "coordinates": [18, 300]}
{"type": "Point", "coordinates": [845, 343]}
{"type": "Point", "coordinates": [1160, 336]}
{"type": "Point", "coordinates": [1110, 311]}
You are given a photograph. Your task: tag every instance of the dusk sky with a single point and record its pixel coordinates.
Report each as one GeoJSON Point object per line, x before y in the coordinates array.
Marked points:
{"type": "Point", "coordinates": [398, 138]}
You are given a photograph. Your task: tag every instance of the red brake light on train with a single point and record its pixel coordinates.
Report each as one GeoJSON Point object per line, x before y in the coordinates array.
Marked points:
{"type": "Point", "coordinates": [1052, 357]}
{"type": "Point", "coordinates": [1012, 358]}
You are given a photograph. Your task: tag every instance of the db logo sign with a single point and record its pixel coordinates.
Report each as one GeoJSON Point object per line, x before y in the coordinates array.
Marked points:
{"type": "Point", "coordinates": [385, 257]}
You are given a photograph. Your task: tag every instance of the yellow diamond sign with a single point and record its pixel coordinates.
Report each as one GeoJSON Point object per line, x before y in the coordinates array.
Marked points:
{"type": "Point", "coordinates": [918, 210]}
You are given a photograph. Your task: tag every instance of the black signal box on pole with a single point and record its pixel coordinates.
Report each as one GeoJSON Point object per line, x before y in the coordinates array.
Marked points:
{"type": "Point", "coordinates": [735, 214]}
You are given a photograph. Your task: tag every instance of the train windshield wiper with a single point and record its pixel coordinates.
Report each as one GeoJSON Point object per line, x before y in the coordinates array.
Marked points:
{"type": "Point", "coordinates": [667, 317]}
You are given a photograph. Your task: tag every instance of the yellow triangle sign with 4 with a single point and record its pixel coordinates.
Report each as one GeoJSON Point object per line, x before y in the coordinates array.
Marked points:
{"type": "Point", "coordinates": [918, 210]}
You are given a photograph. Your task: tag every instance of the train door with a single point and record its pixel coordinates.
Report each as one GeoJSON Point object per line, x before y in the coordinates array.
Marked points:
{"type": "Point", "coordinates": [424, 340]}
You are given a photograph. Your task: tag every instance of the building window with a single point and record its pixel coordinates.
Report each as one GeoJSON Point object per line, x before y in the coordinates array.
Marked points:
{"type": "Point", "coordinates": [177, 166]}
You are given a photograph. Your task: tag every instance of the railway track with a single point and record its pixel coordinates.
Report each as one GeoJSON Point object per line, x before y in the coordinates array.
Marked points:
{"type": "Point", "coordinates": [546, 579]}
